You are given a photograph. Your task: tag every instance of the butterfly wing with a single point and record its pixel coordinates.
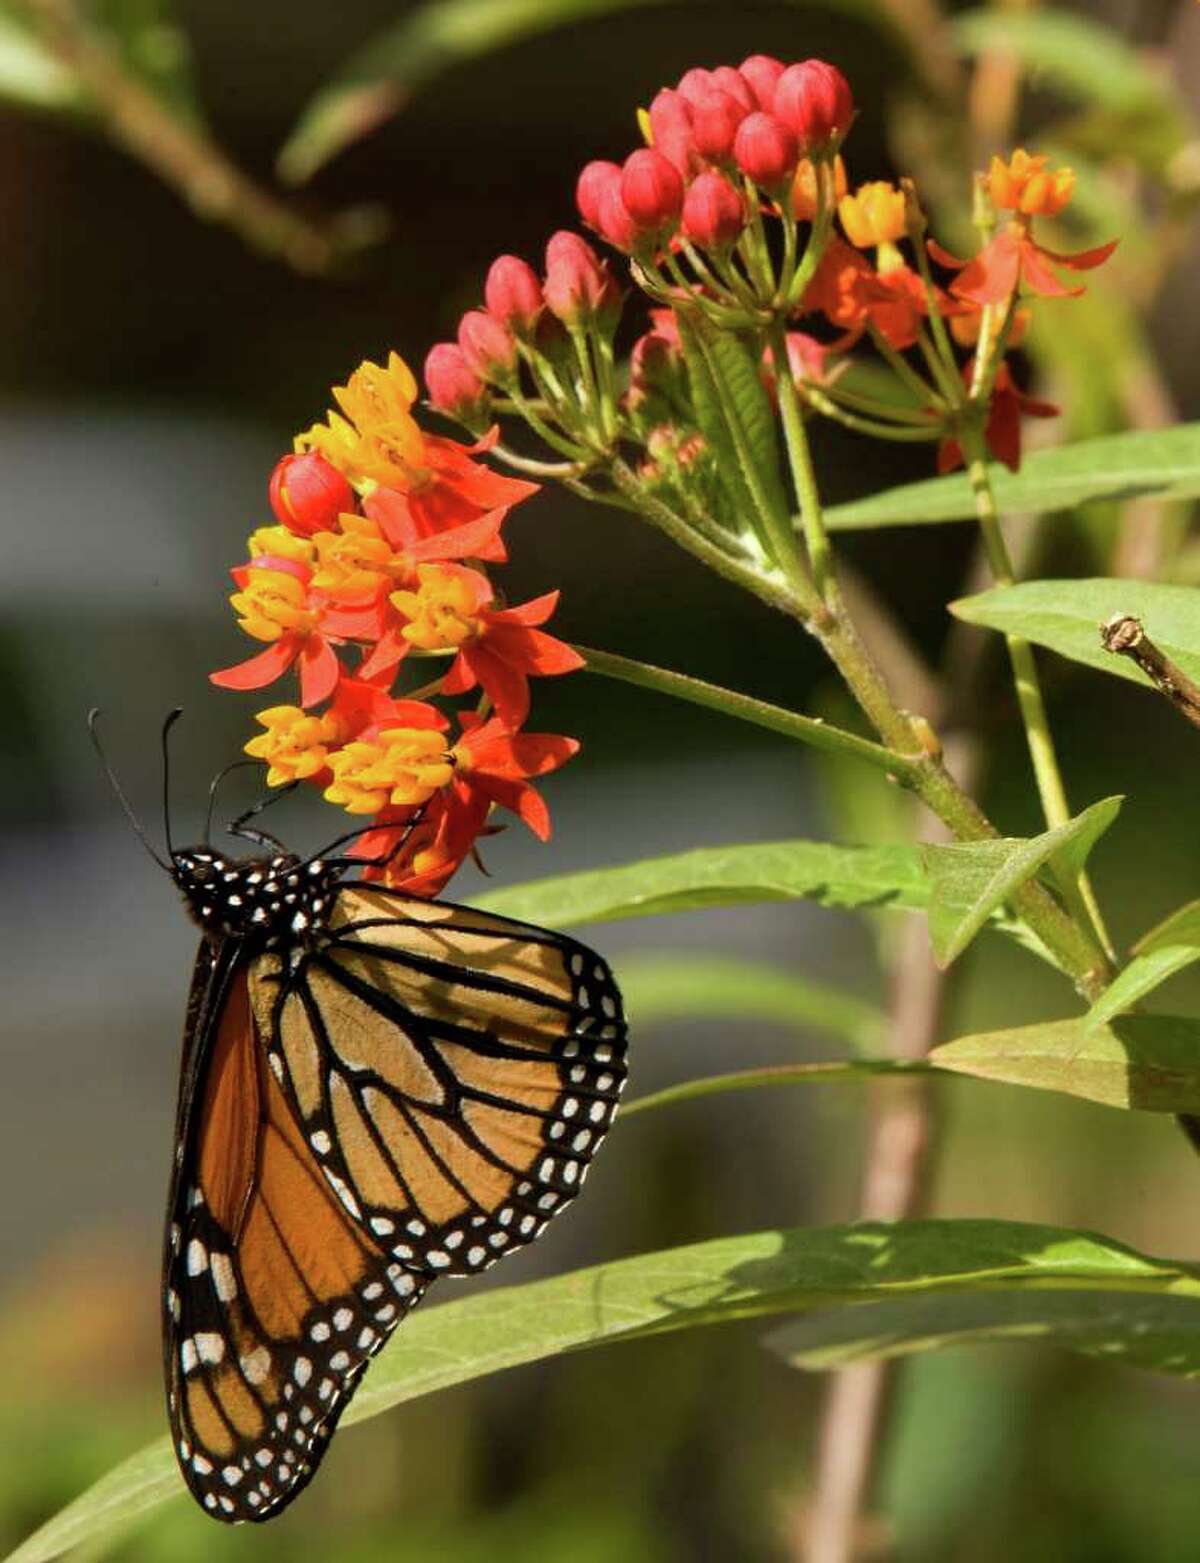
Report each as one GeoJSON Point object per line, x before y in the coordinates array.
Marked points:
{"type": "Point", "coordinates": [274, 1298]}
{"type": "Point", "coordinates": [454, 1072]}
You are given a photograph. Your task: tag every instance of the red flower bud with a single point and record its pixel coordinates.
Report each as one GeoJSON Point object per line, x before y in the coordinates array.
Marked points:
{"type": "Point", "coordinates": [513, 293]}
{"type": "Point", "coordinates": [761, 72]}
{"type": "Point", "coordinates": [614, 224]}
{"type": "Point", "coordinates": [653, 361]}
{"type": "Point", "coordinates": [765, 150]}
{"type": "Point", "coordinates": [595, 179]}
{"type": "Point", "coordinates": [726, 79]}
{"type": "Point", "coordinates": [713, 212]}
{"type": "Point", "coordinates": [307, 494]}
{"type": "Point", "coordinates": [651, 189]}
{"type": "Point", "coordinates": [487, 345]}
{"type": "Point", "coordinates": [715, 119]}
{"type": "Point", "coordinates": [577, 284]}
{"type": "Point", "coordinates": [671, 129]}
{"type": "Point", "coordinates": [694, 84]}
{"type": "Point", "coordinates": [813, 99]}
{"type": "Point", "coordinates": [453, 386]}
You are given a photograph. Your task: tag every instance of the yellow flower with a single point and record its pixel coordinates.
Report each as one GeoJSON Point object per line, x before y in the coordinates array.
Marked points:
{"type": "Point", "coordinates": [272, 604]}
{"type": "Point", "coordinates": [281, 543]}
{"type": "Point", "coordinates": [375, 437]}
{"type": "Point", "coordinates": [358, 560]}
{"type": "Point", "coordinates": [404, 765]}
{"type": "Point", "coordinates": [295, 744]}
{"type": "Point", "coordinates": [443, 612]}
{"type": "Point", "coordinates": [873, 215]}
{"type": "Point", "coordinates": [1025, 185]}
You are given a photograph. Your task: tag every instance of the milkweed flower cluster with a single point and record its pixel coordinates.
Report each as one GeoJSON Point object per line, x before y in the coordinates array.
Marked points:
{"type": "Point", "coordinates": [376, 562]}
{"type": "Point", "coordinates": [737, 223]}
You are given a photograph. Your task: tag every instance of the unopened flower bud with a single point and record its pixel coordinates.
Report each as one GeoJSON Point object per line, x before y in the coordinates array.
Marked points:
{"type": "Point", "coordinates": [670, 119]}
{"type": "Point", "coordinates": [713, 212]}
{"type": "Point", "coordinates": [761, 72]}
{"type": "Point", "coordinates": [595, 179]}
{"type": "Point", "coordinates": [813, 99]}
{"type": "Point", "coordinates": [804, 187]}
{"type": "Point", "coordinates": [715, 120]}
{"type": "Point", "coordinates": [653, 361]}
{"type": "Point", "coordinates": [726, 79]}
{"type": "Point", "coordinates": [615, 224]}
{"type": "Point", "coordinates": [694, 84]}
{"type": "Point", "coordinates": [765, 150]}
{"type": "Point", "coordinates": [513, 294]}
{"type": "Point", "coordinates": [577, 285]}
{"type": "Point", "coordinates": [307, 494]}
{"type": "Point", "coordinates": [651, 190]}
{"type": "Point", "coordinates": [487, 345]}
{"type": "Point", "coordinates": [453, 386]}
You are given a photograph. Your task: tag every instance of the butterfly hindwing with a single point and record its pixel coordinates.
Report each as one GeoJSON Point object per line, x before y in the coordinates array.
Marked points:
{"type": "Point", "coordinates": [274, 1299]}
{"type": "Point", "coordinates": [454, 1072]}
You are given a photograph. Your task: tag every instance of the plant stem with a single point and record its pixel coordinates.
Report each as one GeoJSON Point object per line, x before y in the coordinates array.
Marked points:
{"type": "Point", "coordinates": [1047, 772]}
{"type": "Point", "coordinates": [745, 708]}
{"type": "Point", "coordinates": [804, 479]}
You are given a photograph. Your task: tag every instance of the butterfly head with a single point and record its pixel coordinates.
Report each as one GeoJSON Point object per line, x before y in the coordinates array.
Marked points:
{"type": "Point", "coordinates": [271, 900]}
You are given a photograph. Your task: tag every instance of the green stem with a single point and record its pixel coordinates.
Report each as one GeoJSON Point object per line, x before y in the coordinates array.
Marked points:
{"type": "Point", "coordinates": [745, 708]}
{"type": "Point", "coordinates": [904, 371]}
{"type": "Point", "coordinates": [901, 433]}
{"type": "Point", "coordinates": [1047, 772]}
{"type": "Point", "coordinates": [804, 478]}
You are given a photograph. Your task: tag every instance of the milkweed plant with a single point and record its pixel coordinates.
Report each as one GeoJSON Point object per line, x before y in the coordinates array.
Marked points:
{"type": "Point", "coordinates": [729, 290]}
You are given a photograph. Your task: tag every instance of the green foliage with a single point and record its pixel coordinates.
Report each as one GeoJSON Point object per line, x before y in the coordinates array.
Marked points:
{"type": "Point", "coordinates": [1065, 616]}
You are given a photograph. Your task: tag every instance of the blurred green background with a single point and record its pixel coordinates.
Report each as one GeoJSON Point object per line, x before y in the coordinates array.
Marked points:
{"type": "Point", "coordinates": [153, 366]}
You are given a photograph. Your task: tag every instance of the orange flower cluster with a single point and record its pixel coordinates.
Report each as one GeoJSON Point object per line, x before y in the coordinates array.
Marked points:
{"type": "Point", "coordinates": [381, 535]}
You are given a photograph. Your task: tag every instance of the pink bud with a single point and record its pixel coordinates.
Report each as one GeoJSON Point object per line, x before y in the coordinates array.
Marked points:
{"type": "Point", "coordinates": [713, 212]}
{"type": "Point", "coordinates": [765, 150]}
{"type": "Point", "coordinates": [513, 293]}
{"type": "Point", "coordinates": [671, 129]}
{"type": "Point", "coordinates": [652, 189]}
{"type": "Point", "coordinates": [726, 79]}
{"type": "Point", "coordinates": [813, 99]}
{"type": "Point", "coordinates": [653, 360]}
{"type": "Point", "coordinates": [615, 224]}
{"type": "Point", "coordinates": [307, 494]}
{"type": "Point", "coordinates": [576, 282]}
{"type": "Point", "coordinates": [715, 119]}
{"type": "Point", "coordinates": [487, 345]}
{"type": "Point", "coordinates": [452, 385]}
{"type": "Point", "coordinates": [596, 177]}
{"type": "Point", "coordinates": [761, 72]}
{"type": "Point", "coordinates": [694, 83]}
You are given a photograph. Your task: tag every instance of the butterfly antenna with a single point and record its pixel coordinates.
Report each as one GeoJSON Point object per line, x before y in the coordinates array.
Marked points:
{"type": "Point", "coordinates": [234, 765]}
{"type": "Point", "coordinates": [118, 792]}
{"type": "Point", "coordinates": [169, 722]}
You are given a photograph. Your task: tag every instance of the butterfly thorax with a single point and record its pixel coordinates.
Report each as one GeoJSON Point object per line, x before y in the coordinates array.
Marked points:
{"type": "Point", "coordinates": [270, 901]}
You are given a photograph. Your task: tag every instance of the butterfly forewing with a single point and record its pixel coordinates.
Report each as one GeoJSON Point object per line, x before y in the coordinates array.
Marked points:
{"type": "Point", "coordinates": [454, 1072]}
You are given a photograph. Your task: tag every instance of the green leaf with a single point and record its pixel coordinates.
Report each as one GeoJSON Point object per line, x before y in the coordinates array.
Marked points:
{"type": "Point", "coordinates": [734, 413]}
{"type": "Point", "coordinates": [1170, 947]}
{"type": "Point", "coordinates": [1065, 616]}
{"type": "Point", "coordinates": [1163, 462]}
{"type": "Point", "coordinates": [841, 1071]}
{"type": "Point", "coordinates": [1153, 1330]}
{"type": "Point", "coordinates": [29, 75]}
{"type": "Point", "coordinates": [1150, 1063]}
{"type": "Point", "coordinates": [682, 987]}
{"type": "Point", "coordinates": [706, 1283]}
{"type": "Point", "coordinates": [970, 880]}
{"type": "Point", "coordinates": [720, 876]}
{"type": "Point", "coordinates": [1079, 57]}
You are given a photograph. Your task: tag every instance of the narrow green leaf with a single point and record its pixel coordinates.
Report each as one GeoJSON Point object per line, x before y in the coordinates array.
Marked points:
{"type": "Point", "coordinates": [1150, 1063]}
{"type": "Point", "coordinates": [1065, 616]}
{"type": "Point", "coordinates": [1182, 926]}
{"type": "Point", "coordinates": [1155, 1330]}
{"type": "Point", "coordinates": [680, 987]}
{"type": "Point", "coordinates": [970, 880]}
{"type": "Point", "coordinates": [1168, 948]}
{"type": "Point", "coordinates": [1163, 462]}
{"type": "Point", "coordinates": [706, 1283]}
{"type": "Point", "coordinates": [720, 876]}
{"type": "Point", "coordinates": [839, 1072]}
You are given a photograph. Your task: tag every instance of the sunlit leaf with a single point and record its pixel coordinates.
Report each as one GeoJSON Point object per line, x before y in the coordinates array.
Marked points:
{"type": "Point", "coordinates": [1168, 948]}
{"type": "Point", "coordinates": [970, 880]}
{"type": "Point", "coordinates": [1164, 463]}
{"type": "Point", "coordinates": [707, 1283]}
{"type": "Point", "coordinates": [1147, 1062]}
{"type": "Point", "coordinates": [670, 986]}
{"type": "Point", "coordinates": [721, 876]}
{"type": "Point", "coordinates": [1065, 616]}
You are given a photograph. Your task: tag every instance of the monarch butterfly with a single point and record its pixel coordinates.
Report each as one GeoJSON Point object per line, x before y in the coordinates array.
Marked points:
{"type": "Point", "coordinates": [375, 1091]}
